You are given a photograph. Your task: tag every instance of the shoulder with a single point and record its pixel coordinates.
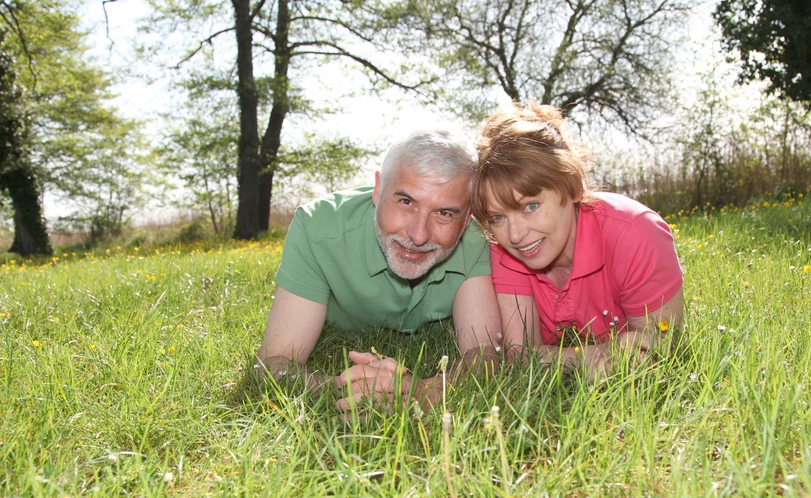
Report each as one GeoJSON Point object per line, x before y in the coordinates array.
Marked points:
{"type": "Point", "coordinates": [618, 215]}
{"type": "Point", "coordinates": [618, 207]}
{"type": "Point", "coordinates": [338, 212]}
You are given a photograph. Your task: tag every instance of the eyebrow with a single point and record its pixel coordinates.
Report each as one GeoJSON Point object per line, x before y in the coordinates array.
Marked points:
{"type": "Point", "coordinates": [402, 193]}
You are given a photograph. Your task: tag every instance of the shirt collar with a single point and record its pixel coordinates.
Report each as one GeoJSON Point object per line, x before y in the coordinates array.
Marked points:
{"type": "Point", "coordinates": [375, 259]}
{"type": "Point", "coordinates": [588, 248]}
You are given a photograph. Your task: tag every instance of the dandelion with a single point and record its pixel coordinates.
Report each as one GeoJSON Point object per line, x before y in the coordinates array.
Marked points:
{"type": "Point", "coordinates": [171, 349]}
{"type": "Point", "coordinates": [663, 325]}
{"type": "Point", "coordinates": [36, 343]}
{"type": "Point", "coordinates": [806, 269]}
{"type": "Point", "coordinates": [417, 409]}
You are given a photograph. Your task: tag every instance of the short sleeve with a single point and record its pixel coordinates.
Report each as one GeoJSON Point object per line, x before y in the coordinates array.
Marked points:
{"type": "Point", "coordinates": [476, 251]}
{"type": "Point", "coordinates": [646, 265]}
{"type": "Point", "coordinates": [505, 279]}
{"type": "Point", "coordinates": [299, 272]}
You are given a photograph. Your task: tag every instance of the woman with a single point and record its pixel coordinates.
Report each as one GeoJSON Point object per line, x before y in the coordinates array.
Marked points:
{"type": "Point", "coordinates": [580, 276]}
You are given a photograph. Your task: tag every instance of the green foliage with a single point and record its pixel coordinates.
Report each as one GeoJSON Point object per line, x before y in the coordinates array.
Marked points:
{"type": "Point", "coordinates": [123, 373]}
{"type": "Point", "coordinates": [771, 38]}
{"type": "Point", "coordinates": [319, 165]}
{"type": "Point", "coordinates": [200, 149]}
{"type": "Point", "coordinates": [716, 156]}
{"type": "Point", "coordinates": [79, 147]}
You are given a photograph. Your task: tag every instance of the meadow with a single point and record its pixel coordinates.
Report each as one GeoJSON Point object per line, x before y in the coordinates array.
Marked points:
{"type": "Point", "coordinates": [124, 372]}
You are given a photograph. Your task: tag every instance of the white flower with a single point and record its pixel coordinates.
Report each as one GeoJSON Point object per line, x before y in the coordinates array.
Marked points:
{"type": "Point", "coordinates": [168, 477]}
{"type": "Point", "coordinates": [447, 422]}
{"type": "Point", "coordinates": [721, 328]}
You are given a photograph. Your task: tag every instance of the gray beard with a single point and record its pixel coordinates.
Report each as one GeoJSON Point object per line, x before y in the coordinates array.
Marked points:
{"type": "Point", "coordinates": [409, 270]}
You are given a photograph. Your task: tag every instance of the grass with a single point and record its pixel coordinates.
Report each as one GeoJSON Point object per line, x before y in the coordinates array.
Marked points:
{"type": "Point", "coordinates": [123, 373]}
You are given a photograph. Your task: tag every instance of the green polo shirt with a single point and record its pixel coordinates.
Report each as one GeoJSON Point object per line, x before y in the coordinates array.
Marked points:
{"type": "Point", "coordinates": [331, 256]}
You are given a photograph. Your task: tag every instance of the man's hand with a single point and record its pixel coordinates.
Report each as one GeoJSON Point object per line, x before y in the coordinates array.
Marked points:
{"type": "Point", "coordinates": [372, 376]}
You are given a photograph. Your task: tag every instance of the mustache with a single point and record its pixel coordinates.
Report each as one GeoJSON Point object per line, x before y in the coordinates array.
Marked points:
{"type": "Point", "coordinates": [411, 247]}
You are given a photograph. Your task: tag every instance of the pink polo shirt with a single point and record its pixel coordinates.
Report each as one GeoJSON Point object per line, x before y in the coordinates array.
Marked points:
{"type": "Point", "coordinates": [625, 264]}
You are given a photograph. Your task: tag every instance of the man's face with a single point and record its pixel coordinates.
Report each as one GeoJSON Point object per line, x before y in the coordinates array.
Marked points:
{"type": "Point", "coordinates": [418, 220]}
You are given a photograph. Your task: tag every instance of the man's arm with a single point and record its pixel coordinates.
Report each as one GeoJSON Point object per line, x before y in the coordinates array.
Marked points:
{"type": "Point", "coordinates": [293, 327]}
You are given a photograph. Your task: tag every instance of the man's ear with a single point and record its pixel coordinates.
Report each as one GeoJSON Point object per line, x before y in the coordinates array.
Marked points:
{"type": "Point", "coordinates": [376, 191]}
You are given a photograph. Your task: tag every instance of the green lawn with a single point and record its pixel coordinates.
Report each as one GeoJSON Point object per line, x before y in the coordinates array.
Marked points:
{"type": "Point", "coordinates": [123, 373]}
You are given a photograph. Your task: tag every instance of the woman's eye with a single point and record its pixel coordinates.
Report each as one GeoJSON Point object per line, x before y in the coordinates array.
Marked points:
{"type": "Point", "coordinates": [532, 206]}
{"type": "Point", "coordinates": [496, 219]}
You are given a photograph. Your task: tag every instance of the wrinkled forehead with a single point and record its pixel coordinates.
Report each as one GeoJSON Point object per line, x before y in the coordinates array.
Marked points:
{"type": "Point", "coordinates": [431, 189]}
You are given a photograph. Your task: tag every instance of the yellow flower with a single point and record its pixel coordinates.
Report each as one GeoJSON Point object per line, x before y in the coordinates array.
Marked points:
{"type": "Point", "coordinates": [171, 349]}
{"type": "Point", "coordinates": [36, 343]}
{"type": "Point", "coordinates": [663, 325]}
{"type": "Point", "coordinates": [806, 268]}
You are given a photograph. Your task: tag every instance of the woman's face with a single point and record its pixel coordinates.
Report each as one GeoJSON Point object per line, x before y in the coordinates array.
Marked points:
{"type": "Point", "coordinates": [541, 233]}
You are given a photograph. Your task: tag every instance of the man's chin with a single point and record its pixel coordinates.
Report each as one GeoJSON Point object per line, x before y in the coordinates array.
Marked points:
{"type": "Point", "coordinates": [410, 272]}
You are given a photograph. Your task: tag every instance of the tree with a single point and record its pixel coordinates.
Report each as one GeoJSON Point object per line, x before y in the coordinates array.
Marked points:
{"type": "Point", "coordinates": [287, 37]}
{"type": "Point", "coordinates": [101, 177]}
{"type": "Point", "coordinates": [201, 150]}
{"type": "Point", "coordinates": [70, 131]}
{"type": "Point", "coordinates": [607, 58]}
{"type": "Point", "coordinates": [772, 38]}
{"type": "Point", "coordinates": [18, 179]}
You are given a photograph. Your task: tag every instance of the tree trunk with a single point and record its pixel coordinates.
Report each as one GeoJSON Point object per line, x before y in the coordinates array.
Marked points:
{"type": "Point", "coordinates": [30, 235]}
{"type": "Point", "coordinates": [272, 139]}
{"type": "Point", "coordinates": [247, 223]}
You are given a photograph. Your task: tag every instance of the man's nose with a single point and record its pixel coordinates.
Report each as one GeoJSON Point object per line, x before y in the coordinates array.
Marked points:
{"type": "Point", "coordinates": [419, 231]}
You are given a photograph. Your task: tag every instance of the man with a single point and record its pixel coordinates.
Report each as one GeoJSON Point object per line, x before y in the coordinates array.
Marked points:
{"type": "Point", "coordinates": [397, 255]}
